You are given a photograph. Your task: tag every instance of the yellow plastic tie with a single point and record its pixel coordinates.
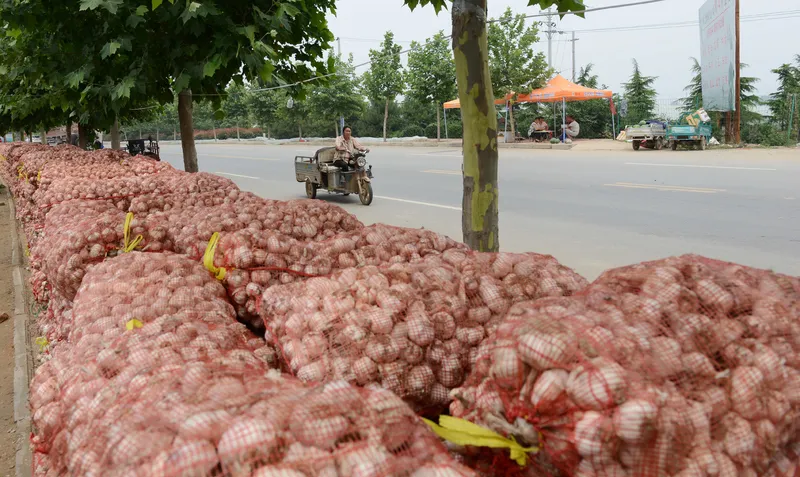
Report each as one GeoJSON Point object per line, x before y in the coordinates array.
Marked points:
{"type": "Point", "coordinates": [208, 257]}
{"type": "Point", "coordinates": [128, 245]}
{"type": "Point", "coordinates": [464, 433]}
{"type": "Point", "coordinates": [39, 176]}
{"type": "Point", "coordinates": [133, 324]}
{"type": "Point", "coordinates": [42, 343]}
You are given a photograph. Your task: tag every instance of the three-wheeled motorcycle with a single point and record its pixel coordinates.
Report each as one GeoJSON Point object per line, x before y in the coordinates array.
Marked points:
{"type": "Point", "coordinates": [322, 171]}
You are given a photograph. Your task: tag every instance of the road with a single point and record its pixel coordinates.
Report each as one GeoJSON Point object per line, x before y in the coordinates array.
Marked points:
{"type": "Point", "coordinates": [591, 210]}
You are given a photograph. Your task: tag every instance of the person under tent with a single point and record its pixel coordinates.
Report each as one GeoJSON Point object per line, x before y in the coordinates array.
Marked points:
{"type": "Point", "coordinates": [538, 129]}
{"type": "Point", "coordinates": [570, 130]}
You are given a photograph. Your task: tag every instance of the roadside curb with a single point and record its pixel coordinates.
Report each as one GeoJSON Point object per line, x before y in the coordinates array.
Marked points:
{"type": "Point", "coordinates": [22, 353]}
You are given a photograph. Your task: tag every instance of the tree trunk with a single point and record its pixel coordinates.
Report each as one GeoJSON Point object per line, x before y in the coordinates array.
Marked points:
{"type": "Point", "coordinates": [438, 124]}
{"type": "Point", "coordinates": [214, 127]}
{"type": "Point", "coordinates": [300, 131]}
{"type": "Point", "coordinates": [480, 206]}
{"type": "Point", "coordinates": [83, 136]}
{"type": "Point", "coordinates": [69, 132]}
{"type": "Point", "coordinates": [22, 136]}
{"type": "Point", "coordinates": [44, 136]}
{"type": "Point", "coordinates": [336, 128]}
{"type": "Point", "coordinates": [385, 118]}
{"type": "Point", "coordinates": [115, 142]}
{"type": "Point", "coordinates": [174, 133]}
{"type": "Point", "coordinates": [513, 123]}
{"type": "Point", "coordinates": [140, 133]}
{"type": "Point", "coordinates": [269, 133]}
{"type": "Point", "coordinates": [187, 131]}
{"type": "Point", "coordinates": [238, 138]}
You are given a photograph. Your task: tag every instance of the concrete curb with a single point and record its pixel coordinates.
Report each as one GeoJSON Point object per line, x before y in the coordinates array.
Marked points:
{"type": "Point", "coordinates": [22, 354]}
{"type": "Point", "coordinates": [432, 144]}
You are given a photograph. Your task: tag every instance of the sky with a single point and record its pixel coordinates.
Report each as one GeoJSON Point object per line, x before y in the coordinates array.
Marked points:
{"type": "Point", "coordinates": [766, 41]}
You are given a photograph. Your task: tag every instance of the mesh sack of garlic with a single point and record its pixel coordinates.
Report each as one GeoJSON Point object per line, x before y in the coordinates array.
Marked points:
{"type": "Point", "coordinates": [205, 420]}
{"type": "Point", "coordinates": [413, 328]}
{"type": "Point", "coordinates": [681, 367]}
{"type": "Point", "coordinates": [151, 203]}
{"type": "Point", "coordinates": [301, 220]}
{"type": "Point", "coordinates": [79, 234]}
{"type": "Point", "coordinates": [169, 181]}
{"type": "Point", "coordinates": [135, 314]}
{"type": "Point", "coordinates": [255, 260]}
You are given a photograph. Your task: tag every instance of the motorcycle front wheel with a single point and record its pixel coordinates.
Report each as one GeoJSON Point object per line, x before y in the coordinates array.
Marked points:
{"type": "Point", "coordinates": [366, 193]}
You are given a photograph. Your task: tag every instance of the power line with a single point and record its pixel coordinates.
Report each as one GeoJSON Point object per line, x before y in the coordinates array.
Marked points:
{"type": "Point", "coordinates": [587, 10]}
{"type": "Point", "coordinates": [684, 24]}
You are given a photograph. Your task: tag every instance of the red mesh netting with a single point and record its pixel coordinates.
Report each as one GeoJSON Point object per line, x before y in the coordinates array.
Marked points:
{"type": "Point", "coordinates": [680, 367]}
{"type": "Point", "coordinates": [168, 182]}
{"type": "Point", "coordinates": [135, 314]}
{"type": "Point", "coordinates": [256, 260]}
{"type": "Point", "coordinates": [412, 328]}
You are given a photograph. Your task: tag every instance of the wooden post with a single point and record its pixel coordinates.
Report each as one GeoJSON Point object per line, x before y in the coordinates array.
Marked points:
{"type": "Point", "coordinates": [737, 121]}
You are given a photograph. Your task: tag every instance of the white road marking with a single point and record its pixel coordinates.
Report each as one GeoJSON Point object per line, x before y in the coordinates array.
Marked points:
{"type": "Point", "coordinates": [235, 175]}
{"type": "Point", "coordinates": [699, 166]}
{"type": "Point", "coordinates": [427, 204]}
{"type": "Point", "coordinates": [436, 171]}
{"type": "Point", "coordinates": [240, 157]}
{"type": "Point", "coordinates": [700, 190]}
{"type": "Point", "coordinates": [438, 155]}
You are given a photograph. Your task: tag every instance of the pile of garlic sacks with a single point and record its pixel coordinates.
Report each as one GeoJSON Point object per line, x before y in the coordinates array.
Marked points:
{"type": "Point", "coordinates": [413, 327]}
{"type": "Point", "coordinates": [145, 275]}
{"type": "Point", "coordinates": [681, 367]}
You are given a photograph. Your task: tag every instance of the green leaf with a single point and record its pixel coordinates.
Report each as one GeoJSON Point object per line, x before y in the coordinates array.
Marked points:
{"type": "Point", "coordinates": [74, 79]}
{"type": "Point", "coordinates": [265, 73]}
{"type": "Point", "coordinates": [109, 49]}
{"type": "Point", "coordinates": [250, 32]}
{"type": "Point", "coordinates": [212, 66]}
{"type": "Point", "coordinates": [123, 89]}
{"type": "Point", "coordinates": [219, 115]}
{"type": "Point", "coordinates": [143, 8]}
{"type": "Point", "coordinates": [134, 20]}
{"type": "Point", "coordinates": [157, 3]}
{"type": "Point", "coordinates": [90, 4]}
{"type": "Point", "coordinates": [181, 83]}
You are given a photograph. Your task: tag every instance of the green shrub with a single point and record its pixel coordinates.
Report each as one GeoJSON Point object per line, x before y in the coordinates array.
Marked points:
{"type": "Point", "coordinates": [413, 130]}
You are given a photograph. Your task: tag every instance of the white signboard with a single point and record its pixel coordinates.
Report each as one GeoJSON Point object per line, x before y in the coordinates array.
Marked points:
{"type": "Point", "coordinates": [718, 43]}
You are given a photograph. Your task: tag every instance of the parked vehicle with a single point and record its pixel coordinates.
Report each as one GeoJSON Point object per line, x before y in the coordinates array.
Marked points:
{"type": "Point", "coordinates": [337, 177]}
{"type": "Point", "coordinates": [692, 131]}
{"type": "Point", "coordinates": [138, 146]}
{"type": "Point", "coordinates": [650, 134]}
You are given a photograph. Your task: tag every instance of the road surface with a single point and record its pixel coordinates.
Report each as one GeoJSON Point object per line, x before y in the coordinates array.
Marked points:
{"type": "Point", "coordinates": [591, 210]}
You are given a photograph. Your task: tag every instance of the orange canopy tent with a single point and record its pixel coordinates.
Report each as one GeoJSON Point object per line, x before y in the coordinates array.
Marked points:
{"type": "Point", "coordinates": [560, 89]}
{"type": "Point", "coordinates": [456, 104]}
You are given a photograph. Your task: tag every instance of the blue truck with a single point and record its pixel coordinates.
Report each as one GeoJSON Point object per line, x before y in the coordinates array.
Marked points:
{"type": "Point", "coordinates": [690, 131]}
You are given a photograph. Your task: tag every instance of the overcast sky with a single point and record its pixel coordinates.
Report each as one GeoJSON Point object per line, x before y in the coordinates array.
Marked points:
{"type": "Point", "coordinates": [767, 41]}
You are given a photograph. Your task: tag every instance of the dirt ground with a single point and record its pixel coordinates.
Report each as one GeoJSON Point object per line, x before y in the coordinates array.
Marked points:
{"type": "Point", "coordinates": [8, 430]}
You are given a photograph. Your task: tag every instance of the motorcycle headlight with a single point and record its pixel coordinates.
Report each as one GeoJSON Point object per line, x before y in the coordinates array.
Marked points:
{"type": "Point", "coordinates": [361, 162]}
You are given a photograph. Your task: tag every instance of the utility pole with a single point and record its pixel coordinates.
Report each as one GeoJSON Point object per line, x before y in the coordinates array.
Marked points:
{"type": "Point", "coordinates": [573, 40]}
{"type": "Point", "coordinates": [736, 136]}
{"type": "Point", "coordinates": [549, 38]}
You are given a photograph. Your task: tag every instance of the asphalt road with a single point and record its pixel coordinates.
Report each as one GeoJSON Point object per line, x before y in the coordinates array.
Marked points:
{"type": "Point", "coordinates": [591, 210]}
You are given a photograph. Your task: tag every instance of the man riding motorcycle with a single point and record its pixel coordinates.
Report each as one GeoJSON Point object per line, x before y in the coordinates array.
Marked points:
{"type": "Point", "coordinates": [346, 147]}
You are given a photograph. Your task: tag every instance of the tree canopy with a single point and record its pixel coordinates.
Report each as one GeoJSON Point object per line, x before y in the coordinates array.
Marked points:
{"type": "Point", "coordinates": [385, 80]}
{"type": "Point", "coordinates": [640, 95]}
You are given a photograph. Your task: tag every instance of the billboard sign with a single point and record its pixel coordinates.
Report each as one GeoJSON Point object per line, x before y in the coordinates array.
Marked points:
{"type": "Point", "coordinates": [718, 43]}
